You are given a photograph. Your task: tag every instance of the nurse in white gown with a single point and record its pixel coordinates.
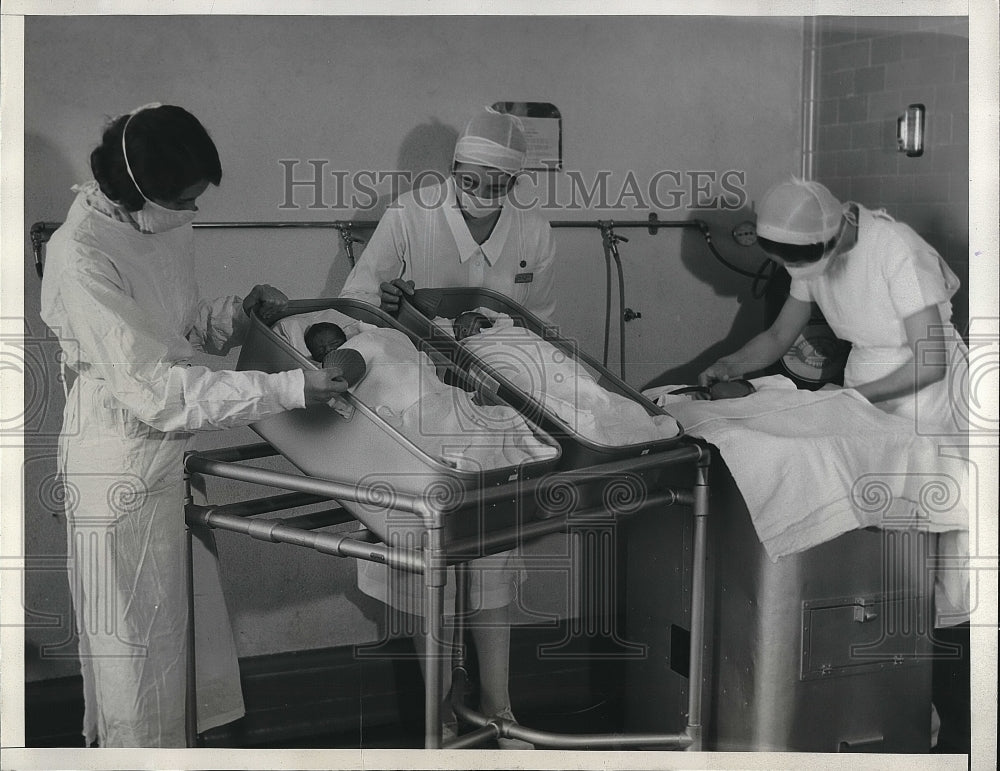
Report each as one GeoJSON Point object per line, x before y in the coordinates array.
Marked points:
{"type": "Point", "coordinates": [885, 290]}
{"type": "Point", "coordinates": [467, 231]}
{"type": "Point", "coordinates": [119, 293]}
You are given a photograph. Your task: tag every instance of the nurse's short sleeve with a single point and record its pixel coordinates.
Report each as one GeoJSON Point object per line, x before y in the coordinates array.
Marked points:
{"type": "Point", "coordinates": [799, 289]}
{"type": "Point", "coordinates": [917, 276]}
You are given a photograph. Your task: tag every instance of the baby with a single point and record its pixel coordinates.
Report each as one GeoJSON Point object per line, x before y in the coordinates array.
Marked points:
{"type": "Point", "coordinates": [470, 323]}
{"type": "Point", "coordinates": [561, 384]}
{"type": "Point", "coordinates": [402, 387]}
{"type": "Point", "coordinates": [323, 340]}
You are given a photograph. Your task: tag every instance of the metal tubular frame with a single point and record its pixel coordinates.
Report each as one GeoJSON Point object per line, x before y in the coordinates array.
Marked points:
{"type": "Point", "coordinates": [432, 561]}
{"type": "Point", "coordinates": [40, 232]}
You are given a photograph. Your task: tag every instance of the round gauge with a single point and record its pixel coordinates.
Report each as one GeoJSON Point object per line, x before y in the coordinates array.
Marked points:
{"type": "Point", "coordinates": [745, 234]}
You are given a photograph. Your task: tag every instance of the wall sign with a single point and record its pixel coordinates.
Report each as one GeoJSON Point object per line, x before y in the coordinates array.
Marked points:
{"type": "Point", "coordinates": [543, 129]}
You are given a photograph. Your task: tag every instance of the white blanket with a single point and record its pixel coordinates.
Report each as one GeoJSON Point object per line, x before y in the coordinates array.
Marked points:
{"type": "Point", "coordinates": [403, 389]}
{"type": "Point", "coordinates": [564, 387]}
{"type": "Point", "coordinates": [814, 465]}
{"type": "Point", "coordinates": [292, 329]}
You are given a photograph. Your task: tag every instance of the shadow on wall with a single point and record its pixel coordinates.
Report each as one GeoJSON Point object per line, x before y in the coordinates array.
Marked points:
{"type": "Point", "coordinates": [49, 175]}
{"type": "Point", "coordinates": [50, 644]}
{"type": "Point", "coordinates": [425, 157]}
{"type": "Point", "coordinates": [937, 228]}
{"type": "Point", "coordinates": [702, 264]}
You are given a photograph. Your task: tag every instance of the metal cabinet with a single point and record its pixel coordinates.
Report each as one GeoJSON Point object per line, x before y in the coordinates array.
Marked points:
{"type": "Point", "coordinates": [826, 650]}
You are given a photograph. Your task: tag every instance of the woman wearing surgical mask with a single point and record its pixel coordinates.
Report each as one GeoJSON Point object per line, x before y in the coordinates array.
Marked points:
{"type": "Point", "coordinates": [467, 230]}
{"type": "Point", "coordinates": [880, 287]}
{"type": "Point", "coordinates": [464, 232]}
{"type": "Point", "coordinates": [885, 290]}
{"type": "Point", "coordinates": [120, 295]}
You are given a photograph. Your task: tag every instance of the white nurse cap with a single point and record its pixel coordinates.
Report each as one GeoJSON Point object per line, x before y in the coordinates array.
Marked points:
{"type": "Point", "coordinates": [493, 139]}
{"type": "Point", "coordinates": [799, 212]}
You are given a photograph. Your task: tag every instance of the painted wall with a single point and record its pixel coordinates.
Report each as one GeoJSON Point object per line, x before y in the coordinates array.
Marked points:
{"type": "Point", "coordinates": [637, 95]}
{"type": "Point", "coordinates": [870, 70]}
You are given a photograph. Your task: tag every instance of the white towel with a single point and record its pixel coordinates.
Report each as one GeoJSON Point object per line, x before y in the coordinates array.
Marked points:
{"type": "Point", "coordinates": [497, 319]}
{"type": "Point", "coordinates": [814, 465]}
{"type": "Point", "coordinates": [292, 329]}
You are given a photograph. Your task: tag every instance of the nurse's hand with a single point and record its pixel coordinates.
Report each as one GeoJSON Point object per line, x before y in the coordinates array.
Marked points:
{"type": "Point", "coordinates": [391, 291]}
{"type": "Point", "coordinates": [268, 301]}
{"type": "Point", "coordinates": [721, 370]}
{"type": "Point", "coordinates": [321, 385]}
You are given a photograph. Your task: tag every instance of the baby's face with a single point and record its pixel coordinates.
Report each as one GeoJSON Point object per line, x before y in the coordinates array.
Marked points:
{"type": "Point", "coordinates": [324, 341]}
{"type": "Point", "coordinates": [470, 323]}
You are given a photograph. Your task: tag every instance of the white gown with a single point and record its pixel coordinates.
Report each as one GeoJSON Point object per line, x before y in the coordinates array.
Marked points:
{"type": "Point", "coordinates": [422, 237]}
{"type": "Point", "coordinates": [123, 305]}
{"type": "Point", "coordinates": [865, 294]}
{"type": "Point", "coordinates": [890, 274]}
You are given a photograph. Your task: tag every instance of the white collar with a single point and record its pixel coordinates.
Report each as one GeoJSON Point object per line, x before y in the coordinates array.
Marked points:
{"type": "Point", "coordinates": [492, 248]}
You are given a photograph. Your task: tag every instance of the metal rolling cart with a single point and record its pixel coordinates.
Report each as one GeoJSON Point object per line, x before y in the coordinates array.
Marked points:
{"type": "Point", "coordinates": [438, 550]}
{"type": "Point", "coordinates": [429, 517]}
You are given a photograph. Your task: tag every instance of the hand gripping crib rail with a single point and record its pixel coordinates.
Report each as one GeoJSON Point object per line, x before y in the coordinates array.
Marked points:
{"type": "Point", "coordinates": [482, 515]}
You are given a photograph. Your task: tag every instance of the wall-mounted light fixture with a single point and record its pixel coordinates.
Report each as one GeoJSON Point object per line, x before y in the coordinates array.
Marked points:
{"type": "Point", "coordinates": [910, 131]}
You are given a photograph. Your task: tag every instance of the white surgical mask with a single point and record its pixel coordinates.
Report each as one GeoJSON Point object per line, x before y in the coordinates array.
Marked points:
{"type": "Point", "coordinates": [840, 247]}
{"type": "Point", "coordinates": [153, 218]}
{"type": "Point", "coordinates": [475, 206]}
{"type": "Point", "coordinates": [812, 269]}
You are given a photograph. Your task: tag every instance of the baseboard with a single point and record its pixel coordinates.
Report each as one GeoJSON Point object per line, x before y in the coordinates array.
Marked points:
{"type": "Point", "coordinates": [350, 692]}
{"type": "Point", "coordinates": [53, 712]}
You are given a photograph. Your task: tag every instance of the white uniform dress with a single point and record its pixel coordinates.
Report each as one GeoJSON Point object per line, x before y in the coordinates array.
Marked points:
{"type": "Point", "coordinates": [865, 294]}
{"type": "Point", "coordinates": [125, 308]}
{"type": "Point", "coordinates": [425, 228]}
{"type": "Point", "coordinates": [424, 237]}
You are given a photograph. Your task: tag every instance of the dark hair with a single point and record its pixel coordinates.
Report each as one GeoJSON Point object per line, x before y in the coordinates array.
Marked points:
{"type": "Point", "coordinates": [470, 323]}
{"type": "Point", "coordinates": [322, 326]}
{"type": "Point", "coordinates": [795, 252]}
{"type": "Point", "coordinates": [168, 152]}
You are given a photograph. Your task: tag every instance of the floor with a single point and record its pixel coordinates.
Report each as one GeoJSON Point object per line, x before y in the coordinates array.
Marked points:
{"type": "Point", "coordinates": [598, 719]}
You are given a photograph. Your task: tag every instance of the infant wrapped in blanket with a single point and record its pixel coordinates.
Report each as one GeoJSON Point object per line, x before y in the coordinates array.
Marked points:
{"type": "Point", "coordinates": [560, 383]}
{"type": "Point", "coordinates": [401, 386]}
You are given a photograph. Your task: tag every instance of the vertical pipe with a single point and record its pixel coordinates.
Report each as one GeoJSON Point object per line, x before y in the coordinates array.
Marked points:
{"type": "Point", "coordinates": [459, 672]}
{"type": "Point", "coordinates": [696, 673]}
{"type": "Point", "coordinates": [461, 607]}
{"type": "Point", "coordinates": [190, 669]}
{"type": "Point", "coordinates": [606, 243]}
{"type": "Point", "coordinates": [434, 581]}
{"type": "Point", "coordinates": [810, 53]}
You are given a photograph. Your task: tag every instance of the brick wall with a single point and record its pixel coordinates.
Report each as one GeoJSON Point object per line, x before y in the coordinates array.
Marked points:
{"type": "Point", "coordinates": [869, 70]}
